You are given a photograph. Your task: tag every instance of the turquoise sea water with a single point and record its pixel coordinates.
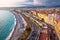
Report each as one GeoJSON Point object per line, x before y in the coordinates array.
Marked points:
{"type": "Point", "coordinates": [6, 23]}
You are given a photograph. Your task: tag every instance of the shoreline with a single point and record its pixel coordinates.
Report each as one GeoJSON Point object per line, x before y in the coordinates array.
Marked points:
{"type": "Point", "coordinates": [13, 29]}
{"type": "Point", "coordinates": [9, 36]}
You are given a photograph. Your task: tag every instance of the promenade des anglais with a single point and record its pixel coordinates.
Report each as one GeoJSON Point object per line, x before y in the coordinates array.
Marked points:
{"type": "Point", "coordinates": [29, 19]}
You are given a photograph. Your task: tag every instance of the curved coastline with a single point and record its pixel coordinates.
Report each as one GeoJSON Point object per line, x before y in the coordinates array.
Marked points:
{"type": "Point", "coordinates": [9, 36]}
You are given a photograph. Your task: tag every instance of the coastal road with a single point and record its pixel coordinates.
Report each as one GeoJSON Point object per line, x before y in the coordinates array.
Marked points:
{"type": "Point", "coordinates": [51, 34]}
{"type": "Point", "coordinates": [34, 33]}
{"type": "Point", "coordinates": [19, 28]}
{"type": "Point", "coordinates": [47, 31]}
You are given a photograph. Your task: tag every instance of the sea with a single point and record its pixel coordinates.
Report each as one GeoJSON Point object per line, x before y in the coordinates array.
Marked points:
{"type": "Point", "coordinates": [6, 23]}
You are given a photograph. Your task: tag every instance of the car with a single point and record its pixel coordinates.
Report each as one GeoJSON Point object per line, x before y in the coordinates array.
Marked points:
{"type": "Point", "coordinates": [34, 33]}
{"type": "Point", "coordinates": [43, 36]}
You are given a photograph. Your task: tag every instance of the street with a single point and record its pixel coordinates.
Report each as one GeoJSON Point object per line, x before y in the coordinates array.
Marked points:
{"type": "Point", "coordinates": [40, 30]}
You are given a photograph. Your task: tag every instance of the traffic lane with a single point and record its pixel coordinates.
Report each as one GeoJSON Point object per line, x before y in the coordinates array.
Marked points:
{"type": "Point", "coordinates": [52, 32]}
{"type": "Point", "coordinates": [33, 36]}
{"type": "Point", "coordinates": [44, 35]}
{"type": "Point", "coordinates": [20, 21]}
{"type": "Point", "coordinates": [17, 31]}
{"type": "Point", "coordinates": [35, 27]}
{"type": "Point", "coordinates": [36, 18]}
{"type": "Point", "coordinates": [19, 18]}
{"type": "Point", "coordinates": [26, 19]}
{"type": "Point", "coordinates": [53, 35]}
{"type": "Point", "coordinates": [34, 33]}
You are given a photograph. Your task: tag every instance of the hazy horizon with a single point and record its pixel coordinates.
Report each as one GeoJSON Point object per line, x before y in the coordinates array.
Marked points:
{"type": "Point", "coordinates": [25, 3]}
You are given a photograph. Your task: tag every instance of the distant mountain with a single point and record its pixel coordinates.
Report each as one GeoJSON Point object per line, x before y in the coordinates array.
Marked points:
{"type": "Point", "coordinates": [34, 7]}
{"type": "Point", "coordinates": [55, 6]}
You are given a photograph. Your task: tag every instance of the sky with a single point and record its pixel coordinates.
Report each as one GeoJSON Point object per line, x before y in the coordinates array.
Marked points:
{"type": "Point", "coordinates": [22, 3]}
